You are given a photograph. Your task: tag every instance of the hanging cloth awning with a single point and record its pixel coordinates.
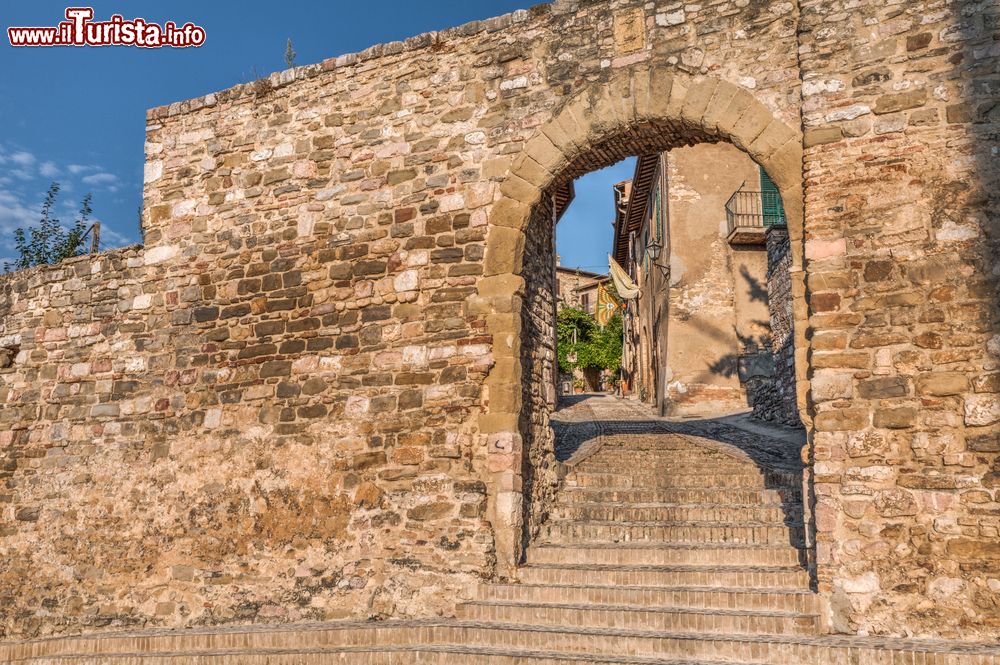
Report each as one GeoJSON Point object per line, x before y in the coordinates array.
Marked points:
{"type": "Point", "coordinates": [626, 288]}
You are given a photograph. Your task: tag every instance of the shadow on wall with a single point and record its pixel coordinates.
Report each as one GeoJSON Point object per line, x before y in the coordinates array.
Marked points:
{"type": "Point", "coordinates": [755, 288]}
{"type": "Point", "coordinates": [979, 73]}
{"type": "Point", "coordinates": [729, 364]}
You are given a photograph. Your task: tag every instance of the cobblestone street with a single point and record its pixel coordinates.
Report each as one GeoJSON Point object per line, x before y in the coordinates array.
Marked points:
{"type": "Point", "coordinates": [582, 419]}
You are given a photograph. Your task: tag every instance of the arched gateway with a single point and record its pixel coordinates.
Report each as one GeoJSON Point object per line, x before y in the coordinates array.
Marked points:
{"type": "Point", "coordinates": [637, 110]}
{"type": "Point", "coordinates": [312, 394]}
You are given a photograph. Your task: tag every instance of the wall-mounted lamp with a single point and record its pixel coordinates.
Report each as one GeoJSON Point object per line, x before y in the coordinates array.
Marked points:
{"type": "Point", "coordinates": [655, 248]}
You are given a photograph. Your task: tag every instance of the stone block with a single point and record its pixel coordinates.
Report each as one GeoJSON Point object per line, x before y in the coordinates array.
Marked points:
{"type": "Point", "coordinates": [942, 384]}
{"type": "Point", "coordinates": [842, 420]}
{"type": "Point", "coordinates": [981, 410]}
{"type": "Point", "coordinates": [815, 136]}
{"type": "Point", "coordinates": [902, 417]}
{"type": "Point", "coordinates": [504, 252]}
{"type": "Point", "coordinates": [884, 388]}
{"type": "Point", "coordinates": [901, 101]}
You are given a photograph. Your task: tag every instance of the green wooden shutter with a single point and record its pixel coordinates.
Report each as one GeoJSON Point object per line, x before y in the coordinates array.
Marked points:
{"type": "Point", "coordinates": [770, 199]}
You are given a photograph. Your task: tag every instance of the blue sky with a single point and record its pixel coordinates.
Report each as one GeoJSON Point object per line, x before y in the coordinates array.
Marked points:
{"type": "Point", "coordinates": [77, 115]}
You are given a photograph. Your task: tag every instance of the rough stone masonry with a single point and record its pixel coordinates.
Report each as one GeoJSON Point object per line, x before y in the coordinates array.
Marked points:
{"type": "Point", "coordinates": [304, 398]}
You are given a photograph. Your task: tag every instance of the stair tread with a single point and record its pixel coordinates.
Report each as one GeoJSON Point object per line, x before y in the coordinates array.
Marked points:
{"type": "Point", "coordinates": [449, 649]}
{"type": "Point", "coordinates": [679, 523]}
{"type": "Point", "coordinates": [710, 568]}
{"type": "Point", "coordinates": [665, 504]}
{"type": "Point", "coordinates": [625, 587]}
{"type": "Point", "coordinates": [832, 641]}
{"type": "Point", "coordinates": [683, 488]}
{"type": "Point", "coordinates": [602, 545]}
{"type": "Point", "coordinates": [677, 609]}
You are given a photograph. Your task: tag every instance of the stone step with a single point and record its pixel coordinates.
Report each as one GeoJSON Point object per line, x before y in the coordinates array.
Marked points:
{"type": "Point", "coordinates": [682, 619]}
{"type": "Point", "coordinates": [676, 512]}
{"type": "Point", "coordinates": [668, 458]}
{"type": "Point", "coordinates": [661, 554]}
{"type": "Point", "coordinates": [680, 495]}
{"type": "Point", "coordinates": [750, 577]}
{"type": "Point", "coordinates": [464, 643]}
{"type": "Point", "coordinates": [372, 655]}
{"type": "Point", "coordinates": [660, 441]}
{"type": "Point", "coordinates": [670, 532]}
{"type": "Point", "coordinates": [652, 481]}
{"type": "Point", "coordinates": [707, 597]}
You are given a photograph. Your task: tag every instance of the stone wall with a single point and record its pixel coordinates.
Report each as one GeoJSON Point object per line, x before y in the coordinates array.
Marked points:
{"type": "Point", "coordinates": [773, 388]}
{"type": "Point", "coordinates": [539, 367]}
{"type": "Point", "coordinates": [302, 400]}
{"type": "Point", "coordinates": [901, 199]}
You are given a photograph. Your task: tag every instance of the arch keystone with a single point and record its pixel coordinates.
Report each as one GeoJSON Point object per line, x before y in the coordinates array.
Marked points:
{"type": "Point", "coordinates": [654, 105]}
{"type": "Point", "coordinates": [642, 90]}
{"type": "Point", "coordinates": [614, 103]}
{"type": "Point", "coordinates": [622, 89]}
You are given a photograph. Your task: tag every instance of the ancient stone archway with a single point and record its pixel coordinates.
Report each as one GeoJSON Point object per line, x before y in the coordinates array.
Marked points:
{"type": "Point", "coordinates": [635, 110]}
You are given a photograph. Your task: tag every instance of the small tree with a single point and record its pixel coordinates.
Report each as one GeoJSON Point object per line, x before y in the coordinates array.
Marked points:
{"type": "Point", "coordinates": [582, 344]}
{"type": "Point", "coordinates": [604, 348]}
{"type": "Point", "coordinates": [290, 54]}
{"type": "Point", "coordinates": [49, 242]}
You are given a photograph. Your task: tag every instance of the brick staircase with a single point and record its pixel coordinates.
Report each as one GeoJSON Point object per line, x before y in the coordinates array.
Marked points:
{"type": "Point", "coordinates": [660, 548]}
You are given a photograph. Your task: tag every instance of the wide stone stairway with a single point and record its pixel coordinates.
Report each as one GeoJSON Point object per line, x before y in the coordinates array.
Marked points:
{"type": "Point", "coordinates": [666, 543]}
{"type": "Point", "coordinates": [664, 533]}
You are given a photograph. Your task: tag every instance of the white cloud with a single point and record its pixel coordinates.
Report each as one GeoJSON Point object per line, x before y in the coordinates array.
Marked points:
{"type": "Point", "coordinates": [22, 158]}
{"type": "Point", "coordinates": [48, 170]}
{"type": "Point", "coordinates": [112, 238]}
{"type": "Point", "coordinates": [77, 169]}
{"type": "Point", "coordinates": [101, 178]}
{"type": "Point", "coordinates": [14, 213]}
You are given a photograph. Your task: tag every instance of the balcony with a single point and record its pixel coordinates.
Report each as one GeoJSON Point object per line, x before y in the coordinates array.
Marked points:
{"type": "Point", "coordinates": [750, 213]}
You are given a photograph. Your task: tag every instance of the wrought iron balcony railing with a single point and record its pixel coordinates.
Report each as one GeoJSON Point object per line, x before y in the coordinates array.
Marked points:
{"type": "Point", "coordinates": [747, 209]}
